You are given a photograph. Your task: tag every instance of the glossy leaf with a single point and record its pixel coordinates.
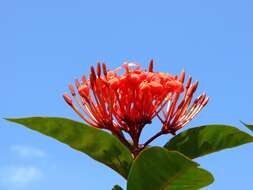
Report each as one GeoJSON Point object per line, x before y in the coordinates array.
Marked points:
{"type": "Point", "coordinates": [96, 143]}
{"type": "Point", "coordinates": [200, 141]}
{"type": "Point", "coordinates": [250, 127]}
{"type": "Point", "coordinates": [159, 169]}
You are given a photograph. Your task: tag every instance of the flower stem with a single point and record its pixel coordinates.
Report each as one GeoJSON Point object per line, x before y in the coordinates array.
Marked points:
{"type": "Point", "coordinates": [153, 138]}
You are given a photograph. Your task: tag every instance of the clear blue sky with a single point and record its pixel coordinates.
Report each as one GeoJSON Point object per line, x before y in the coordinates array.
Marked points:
{"type": "Point", "coordinates": [46, 44]}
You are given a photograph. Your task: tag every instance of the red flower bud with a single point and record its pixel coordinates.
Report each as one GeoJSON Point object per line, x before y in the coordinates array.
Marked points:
{"type": "Point", "coordinates": [67, 99]}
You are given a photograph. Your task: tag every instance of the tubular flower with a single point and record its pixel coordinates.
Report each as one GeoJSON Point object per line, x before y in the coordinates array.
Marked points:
{"type": "Point", "coordinates": [124, 100]}
{"type": "Point", "coordinates": [177, 116]}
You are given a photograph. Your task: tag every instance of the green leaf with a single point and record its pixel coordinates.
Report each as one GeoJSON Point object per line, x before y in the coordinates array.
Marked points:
{"type": "Point", "coordinates": [200, 141]}
{"type": "Point", "coordinates": [96, 143]}
{"type": "Point", "coordinates": [250, 127]}
{"type": "Point", "coordinates": [159, 169]}
{"type": "Point", "coordinates": [117, 187]}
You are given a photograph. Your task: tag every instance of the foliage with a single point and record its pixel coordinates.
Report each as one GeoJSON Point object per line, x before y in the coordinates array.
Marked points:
{"type": "Point", "coordinates": [155, 168]}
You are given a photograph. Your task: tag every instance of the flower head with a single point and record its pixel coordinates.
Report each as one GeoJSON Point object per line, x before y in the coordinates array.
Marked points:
{"type": "Point", "coordinates": [124, 100]}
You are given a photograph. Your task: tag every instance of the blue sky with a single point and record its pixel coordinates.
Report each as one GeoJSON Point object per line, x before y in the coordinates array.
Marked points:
{"type": "Point", "coordinates": [44, 45]}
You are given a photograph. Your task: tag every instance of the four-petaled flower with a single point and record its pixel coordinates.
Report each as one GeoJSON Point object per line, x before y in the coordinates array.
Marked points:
{"type": "Point", "coordinates": [125, 103]}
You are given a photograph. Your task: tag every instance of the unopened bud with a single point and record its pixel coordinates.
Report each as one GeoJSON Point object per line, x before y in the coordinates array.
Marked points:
{"type": "Point", "coordinates": [193, 88]}
{"type": "Point", "coordinates": [67, 99]}
{"type": "Point", "coordinates": [104, 69]}
{"type": "Point", "coordinates": [72, 90]}
{"type": "Point", "coordinates": [77, 83]}
{"type": "Point", "coordinates": [151, 66]}
{"type": "Point", "coordinates": [182, 76]}
{"type": "Point", "coordinates": [205, 101]}
{"type": "Point", "coordinates": [188, 82]}
{"type": "Point", "coordinates": [98, 69]}
{"type": "Point", "coordinates": [92, 76]}
{"type": "Point", "coordinates": [92, 72]}
{"type": "Point", "coordinates": [83, 79]}
{"type": "Point", "coordinates": [203, 97]}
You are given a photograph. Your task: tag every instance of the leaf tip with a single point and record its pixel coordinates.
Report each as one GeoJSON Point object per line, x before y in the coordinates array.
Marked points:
{"type": "Point", "coordinates": [7, 119]}
{"type": "Point", "coordinates": [10, 119]}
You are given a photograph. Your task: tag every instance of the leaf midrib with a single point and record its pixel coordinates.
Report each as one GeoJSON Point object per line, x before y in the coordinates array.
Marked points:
{"type": "Point", "coordinates": [170, 181]}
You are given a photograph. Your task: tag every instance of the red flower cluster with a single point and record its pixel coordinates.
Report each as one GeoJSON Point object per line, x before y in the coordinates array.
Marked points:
{"type": "Point", "coordinates": [125, 103]}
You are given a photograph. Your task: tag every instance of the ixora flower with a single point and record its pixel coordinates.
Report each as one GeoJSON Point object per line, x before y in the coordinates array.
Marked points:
{"type": "Point", "coordinates": [124, 102]}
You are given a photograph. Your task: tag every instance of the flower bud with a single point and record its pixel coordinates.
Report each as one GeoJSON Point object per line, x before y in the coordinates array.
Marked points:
{"type": "Point", "coordinates": [67, 99]}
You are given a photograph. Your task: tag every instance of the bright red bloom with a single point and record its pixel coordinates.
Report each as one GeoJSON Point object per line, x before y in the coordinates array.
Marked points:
{"type": "Point", "coordinates": [127, 102]}
{"type": "Point", "coordinates": [177, 116]}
